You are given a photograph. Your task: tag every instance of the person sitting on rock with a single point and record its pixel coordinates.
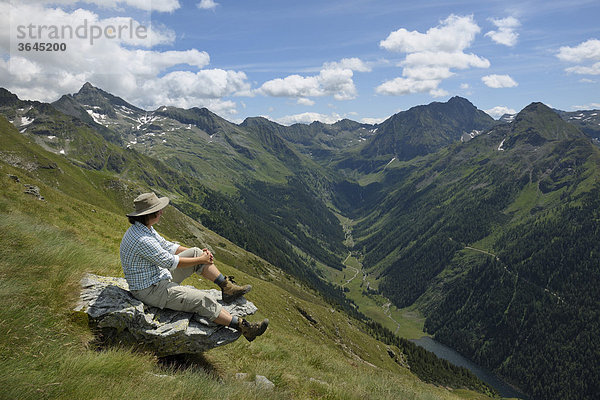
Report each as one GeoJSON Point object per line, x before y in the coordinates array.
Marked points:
{"type": "Point", "coordinates": [155, 267]}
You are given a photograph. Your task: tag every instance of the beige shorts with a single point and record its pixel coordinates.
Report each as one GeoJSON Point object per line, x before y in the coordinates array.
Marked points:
{"type": "Point", "coordinates": [170, 294]}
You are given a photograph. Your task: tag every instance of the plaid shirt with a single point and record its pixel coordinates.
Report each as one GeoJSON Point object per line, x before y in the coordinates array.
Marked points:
{"type": "Point", "coordinates": [146, 257]}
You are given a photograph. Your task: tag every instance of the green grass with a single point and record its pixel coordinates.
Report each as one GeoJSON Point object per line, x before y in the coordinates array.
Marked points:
{"type": "Point", "coordinates": [407, 322]}
{"type": "Point", "coordinates": [46, 351]}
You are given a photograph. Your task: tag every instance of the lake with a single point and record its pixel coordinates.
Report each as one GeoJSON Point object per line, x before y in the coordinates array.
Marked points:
{"type": "Point", "coordinates": [482, 373]}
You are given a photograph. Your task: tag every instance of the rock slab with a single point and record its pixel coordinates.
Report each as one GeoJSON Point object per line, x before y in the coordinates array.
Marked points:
{"type": "Point", "coordinates": [118, 317]}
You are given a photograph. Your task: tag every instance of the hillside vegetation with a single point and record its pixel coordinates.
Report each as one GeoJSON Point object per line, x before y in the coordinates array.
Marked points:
{"type": "Point", "coordinates": [486, 229]}
{"type": "Point", "coordinates": [48, 352]}
{"type": "Point", "coordinates": [496, 241]}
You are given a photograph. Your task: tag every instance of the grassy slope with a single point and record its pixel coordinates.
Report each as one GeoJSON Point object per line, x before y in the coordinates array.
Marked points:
{"type": "Point", "coordinates": [45, 248]}
{"type": "Point", "coordinates": [405, 322]}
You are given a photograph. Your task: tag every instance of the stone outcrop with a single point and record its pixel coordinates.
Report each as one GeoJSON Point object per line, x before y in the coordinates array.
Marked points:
{"type": "Point", "coordinates": [117, 317]}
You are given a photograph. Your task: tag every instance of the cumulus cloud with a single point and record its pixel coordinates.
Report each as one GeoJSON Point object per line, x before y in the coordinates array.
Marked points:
{"type": "Point", "coordinates": [207, 4]}
{"type": "Point", "coordinates": [498, 111]}
{"type": "Point", "coordinates": [583, 54]}
{"type": "Point", "coordinates": [431, 56]}
{"type": "Point", "coordinates": [505, 34]}
{"type": "Point", "coordinates": [588, 50]}
{"type": "Point", "coordinates": [334, 79]}
{"type": "Point", "coordinates": [454, 34]}
{"type": "Point", "coordinates": [373, 121]}
{"type": "Point", "coordinates": [306, 102]}
{"type": "Point", "coordinates": [127, 67]}
{"type": "Point", "coordinates": [354, 64]}
{"type": "Point", "coordinates": [400, 86]}
{"type": "Point", "coordinates": [499, 81]}
{"type": "Point", "coordinates": [593, 69]}
{"type": "Point", "coordinates": [308, 117]}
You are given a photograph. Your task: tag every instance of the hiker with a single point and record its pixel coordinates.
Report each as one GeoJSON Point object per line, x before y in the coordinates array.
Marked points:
{"type": "Point", "coordinates": [155, 267]}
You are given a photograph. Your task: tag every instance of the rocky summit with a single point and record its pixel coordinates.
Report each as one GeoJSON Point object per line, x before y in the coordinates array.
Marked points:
{"type": "Point", "coordinates": [118, 317]}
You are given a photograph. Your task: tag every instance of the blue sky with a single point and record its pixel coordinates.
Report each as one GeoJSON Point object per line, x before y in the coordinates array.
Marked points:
{"type": "Point", "coordinates": [311, 60]}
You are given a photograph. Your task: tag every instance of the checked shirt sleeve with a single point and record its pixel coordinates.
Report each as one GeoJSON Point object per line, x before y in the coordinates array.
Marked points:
{"type": "Point", "coordinates": [165, 244]}
{"type": "Point", "coordinates": [152, 251]}
{"type": "Point", "coordinates": [144, 259]}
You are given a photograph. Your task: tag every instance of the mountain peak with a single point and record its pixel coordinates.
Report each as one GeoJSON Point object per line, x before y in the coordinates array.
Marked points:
{"type": "Point", "coordinates": [536, 112]}
{"type": "Point", "coordinates": [88, 88]}
{"type": "Point", "coordinates": [537, 123]}
{"type": "Point", "coordinates": [8, 98]}
{"type": "Point", "coordinates": [427, 128]}
{"type": "Point", "coordinates": [458, 99]}
{"type": "Point", "coordinates": [258, 121]}
{"type": "Point", "coordinates": [91, 96]}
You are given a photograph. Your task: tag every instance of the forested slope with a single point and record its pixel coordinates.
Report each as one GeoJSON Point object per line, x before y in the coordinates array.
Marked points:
{"type": "Point", "coordinates": [525, 195]}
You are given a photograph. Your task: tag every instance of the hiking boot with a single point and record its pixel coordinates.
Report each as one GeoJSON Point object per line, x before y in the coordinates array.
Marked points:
{"type": "Point", "coordinates": [251, 330]}
{"type": "Point", "coordinates": [231, 291]}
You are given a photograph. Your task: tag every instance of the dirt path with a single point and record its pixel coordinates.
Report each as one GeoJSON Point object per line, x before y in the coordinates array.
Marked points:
{"type": "Point", "coordinates": [388, 313]}
{"type": "Point", "coordinates": [483, 251]}
{"type": "Point", "coordinates": [386, 306]}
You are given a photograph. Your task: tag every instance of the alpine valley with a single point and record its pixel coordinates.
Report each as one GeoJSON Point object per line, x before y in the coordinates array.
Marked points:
{"type": "Point", "coordinates": [487, 228]}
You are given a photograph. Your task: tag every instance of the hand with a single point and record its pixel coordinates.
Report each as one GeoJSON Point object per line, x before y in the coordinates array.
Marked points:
{"type": "Point", "coordinates": [210, 255]}
{"type": "Point", "coordinates": [205, 258]}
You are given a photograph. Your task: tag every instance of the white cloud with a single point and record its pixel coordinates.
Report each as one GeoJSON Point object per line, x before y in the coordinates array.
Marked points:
{"type": "Point", "coordinates": [354, 64]}
{"type": "Point", "coordinates": [125, 67]}
{"type": "Point", "coordinates": [465, 86]}
{"type": "Point", "coordinates": [373, 121]}
{"type": "Point", "coordinates": [308, 117]}
{"type": "Point", "coordinates": [585, 52]}
{"type": "Point", "coordinates": [588, 50]}
{"type": "Point", "coordinates": [206, 84]}
{"type": "Point", "coordinates": [334, 79]}
{"type": "Point", "coordinates": [498, 111]}
{"type": "Point", "coordinates": [79, 29]}
{"type": "Point", "coordinates": [589, 106]}
{"type": "Point", "coordinates": [454, 34]}
{"type": "Point", "coordinates": [582, 70]}
{"type": "Point", "coordinates": [423, 73]}
{"type": "Point", "coordinates": [499, 81]}
{"type": "Point", "coordinates": [402, 86]}
{"type": "Point", "coordinates": [505, 34]}
{"type": "Point", "coordinates": [438, 93]}
{"type": "Point", "coordinates": [207, 4]}
{"type": "Point", "coordinates": [293, 86]}
{"type": "Point", "coordinates": [305, 102]}
{"type": "Point", "coordinates": [430, 56]}
{"type": "Point", "coordinates": [457, 60]}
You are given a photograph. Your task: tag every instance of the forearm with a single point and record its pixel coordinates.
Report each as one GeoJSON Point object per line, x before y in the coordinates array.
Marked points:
{"type": "Point", "coordinates": [185, 262]}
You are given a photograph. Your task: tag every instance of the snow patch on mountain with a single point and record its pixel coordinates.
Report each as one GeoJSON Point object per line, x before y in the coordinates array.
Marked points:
{"type": "Point", "coordinates": [97, 117]}
{"type": "Point", "coordinates": [26, 121]}
{"type": "Point", "coordinates": [468, 136]}
{"type": "Point", "coordinates": [501, 148]}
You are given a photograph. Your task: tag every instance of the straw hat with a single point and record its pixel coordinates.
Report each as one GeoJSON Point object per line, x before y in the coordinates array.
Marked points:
{"type": "Point", "coordinates": [148, 203]}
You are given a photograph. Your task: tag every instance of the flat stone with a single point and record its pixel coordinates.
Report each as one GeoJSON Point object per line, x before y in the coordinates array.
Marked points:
{"type": "Point", "coordinates": [119, 318]}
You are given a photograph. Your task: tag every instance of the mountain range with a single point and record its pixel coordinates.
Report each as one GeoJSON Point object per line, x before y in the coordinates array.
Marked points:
{"type": "Point", "coordinates": [486, 226]}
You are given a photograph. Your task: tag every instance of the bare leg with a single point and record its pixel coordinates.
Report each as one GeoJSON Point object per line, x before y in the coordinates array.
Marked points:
{"type": "Point", "coordinates": [210, 272]}
{"type": "Point", "coordinates": [224, 318]}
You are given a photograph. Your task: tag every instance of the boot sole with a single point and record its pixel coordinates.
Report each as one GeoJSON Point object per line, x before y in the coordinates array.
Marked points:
{"type": "Point", "coordinates": [262, 330]}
